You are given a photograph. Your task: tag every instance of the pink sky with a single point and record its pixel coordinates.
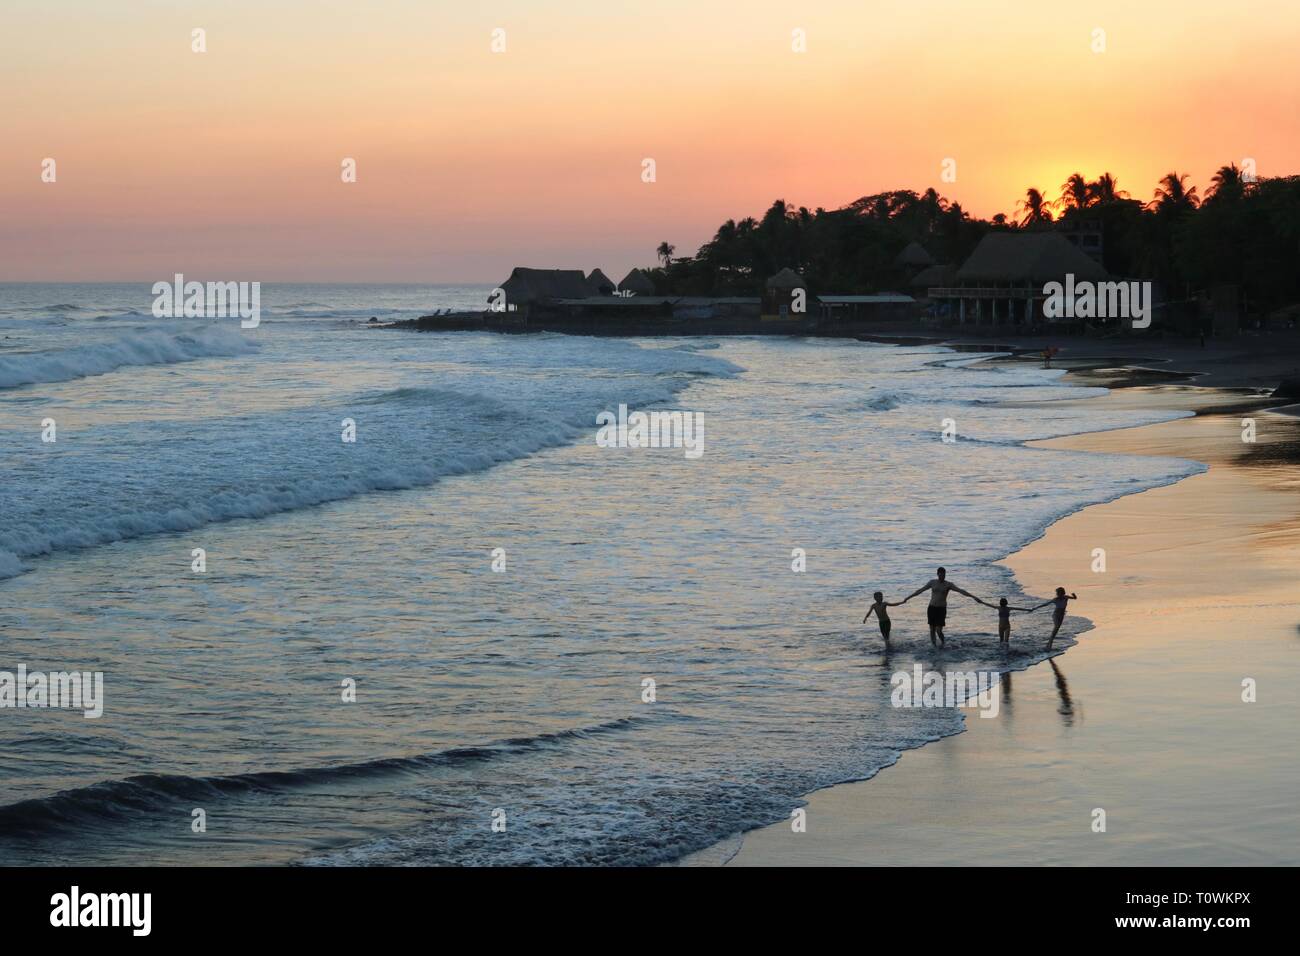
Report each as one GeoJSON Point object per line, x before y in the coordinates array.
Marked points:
{"type": "Point", "coordinates": [227, 163]}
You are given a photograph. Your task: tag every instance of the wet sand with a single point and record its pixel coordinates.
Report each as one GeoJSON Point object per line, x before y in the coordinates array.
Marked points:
{"type": "Point", "coordinates": [1145, 717]}
{"type": "Point", "coordinates": [1251, 359]}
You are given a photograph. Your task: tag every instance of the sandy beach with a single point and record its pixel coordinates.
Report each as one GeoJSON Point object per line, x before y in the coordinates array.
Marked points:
{"type": "Point", "coordinates": [1145, 717]}
{"type": "Point", "coordinates": [1251, 359]}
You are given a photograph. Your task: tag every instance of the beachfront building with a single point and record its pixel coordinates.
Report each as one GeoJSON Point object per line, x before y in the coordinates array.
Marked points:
{"type": "Point", "coordinates": [1002, 281]}
{"type": "Point", "coordinates": [564, 300]}
{"type": "Point", "coordinates": [527, 287]}
{"type": "Point", "coordinates": [785, 295]}
{"type": "Point", "coordinates": [702, 308]}
{"type": "Point", "coordinates": [934, 277]}
{"type": "Point", "coordinates": [852, 313]}
{"type": "Point", "coordinates": [1086, 235]}
{"type": "Point", "coordinates": [600, 283]}
{"type": "Point", "coordinates": [607, 315]}
{"type": "Point", "coordinates": [913, 258]}
{"type": "Point", "coordinates": [637, 282]}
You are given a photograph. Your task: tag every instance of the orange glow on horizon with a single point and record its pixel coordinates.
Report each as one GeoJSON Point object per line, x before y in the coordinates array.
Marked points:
{"type": "Point", "coordinates": [469, 162]}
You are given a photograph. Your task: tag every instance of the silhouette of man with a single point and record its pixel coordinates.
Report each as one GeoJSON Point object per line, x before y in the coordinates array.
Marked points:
{"type": "Point", "coordinates": [937, 612]}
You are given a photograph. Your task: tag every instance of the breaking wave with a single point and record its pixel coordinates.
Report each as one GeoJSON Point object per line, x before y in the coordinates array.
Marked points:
{"type": "Point", "coordinates": [143, 348]}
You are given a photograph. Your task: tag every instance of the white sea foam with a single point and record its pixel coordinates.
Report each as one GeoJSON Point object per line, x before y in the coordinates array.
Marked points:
{"type": "Point", "coordinates": [136, 480]}
{"type": "Point", "coordinates": [139, 348]}
{"type": "Point", "coordinates": [9, 565]}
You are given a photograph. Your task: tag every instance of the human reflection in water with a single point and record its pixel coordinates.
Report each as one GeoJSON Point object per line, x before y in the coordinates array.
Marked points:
{"type": "Point", "coordinates": [1067, 708]}
{"type": "Point", "coordinates": [887, 662]}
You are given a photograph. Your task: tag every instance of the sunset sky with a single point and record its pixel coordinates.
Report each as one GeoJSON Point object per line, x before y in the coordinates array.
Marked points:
{"type": "Point", "coordinates": [226, 164]}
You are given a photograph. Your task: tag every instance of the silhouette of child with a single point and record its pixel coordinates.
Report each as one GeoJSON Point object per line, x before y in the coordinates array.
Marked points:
{"type": "Point", "coordinates": [882, 616]}
{"type": "Point", "coordinates": [1058, 615]}
{"type": "Point", "coordinates": [1004, 618]}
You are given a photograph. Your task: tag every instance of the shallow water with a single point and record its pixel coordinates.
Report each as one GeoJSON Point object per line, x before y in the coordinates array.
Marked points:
{"type": "Point", "coordinates": [478, 691]}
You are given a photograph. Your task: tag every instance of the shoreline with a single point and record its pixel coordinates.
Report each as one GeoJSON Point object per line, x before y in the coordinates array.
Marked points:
{"type": "Point", "coordinates": [1259, 359]}
{"type": "Point", "coordinates": [861, 822]}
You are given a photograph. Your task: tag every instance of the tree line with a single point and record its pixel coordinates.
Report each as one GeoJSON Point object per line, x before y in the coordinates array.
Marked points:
{"type": "Point", "coordinates": [1244, 231]}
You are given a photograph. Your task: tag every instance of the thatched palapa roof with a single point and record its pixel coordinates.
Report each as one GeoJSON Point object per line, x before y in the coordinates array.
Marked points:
{"type": "Point", "coordinates": [600, 283]}
{"type": "Point", "coordinates": [1027, 257]}
{"type": "Point", "coordinates": [914, 256]}
{"type": "Point", "coordinates": [787, 279]}
{"type": "Point", "coordinates": [532, 285]}
{"type": "Point", "coordinates": [934, 277]}
{"type": "Point", "coordinates": [638, 283]}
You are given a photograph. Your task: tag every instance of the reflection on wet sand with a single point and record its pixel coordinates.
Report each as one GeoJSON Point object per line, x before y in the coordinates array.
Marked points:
{"type": "Point", "coordinates": [1066, 710]}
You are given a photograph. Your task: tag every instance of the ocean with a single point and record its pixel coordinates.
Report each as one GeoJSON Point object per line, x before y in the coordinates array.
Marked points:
{"type": "Point", "coordinates": [473, 635]}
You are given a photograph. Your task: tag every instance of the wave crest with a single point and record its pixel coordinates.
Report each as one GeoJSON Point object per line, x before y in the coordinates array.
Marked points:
{"type": "Point", "coordinates": [111, 801]}
{"type": "Point", "coordinates": [144, 348]}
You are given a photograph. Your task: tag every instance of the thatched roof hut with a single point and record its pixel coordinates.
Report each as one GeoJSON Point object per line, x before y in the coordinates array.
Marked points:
{"type": "Point", "coordinates": [786, 280]}
{"type": "Point", "coordinates": [914, 256]}
{"type": "Point", "coordinates": [637, 283]}
{"type": "Point", "coordinates": [532, 285]}
{"type": "Point", "coordinates": [1028, 257]}
{"type": "Point", "coordinates": [934, 277]}
{"type": "Point", "coordinates": [600, 283]}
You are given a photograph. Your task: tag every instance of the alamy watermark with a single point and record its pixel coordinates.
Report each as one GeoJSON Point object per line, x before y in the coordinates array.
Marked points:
{"type": "Point", "coordinates": [652, 430]}
{"type": "Point", "coordinates": [917, 688]}
{"type": "Point", "coordinates": [1099, 300]}
{"type": "Point", "coordinates": [65, 690]}
{"type": "Point", "coordinates": [75, 908]}
{"type": "Point", "coordinates": [215, 300]}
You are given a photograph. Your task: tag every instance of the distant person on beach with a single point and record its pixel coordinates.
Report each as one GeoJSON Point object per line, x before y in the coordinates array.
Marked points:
{"type": "Point", "coordinates": [937, 612]}
{"type": "Point", "coordinates": [1004, 618]}
{"type": "Point", "coordinates": [1058, 615]}
{"type": "Point", "coordinates": [882, 616]}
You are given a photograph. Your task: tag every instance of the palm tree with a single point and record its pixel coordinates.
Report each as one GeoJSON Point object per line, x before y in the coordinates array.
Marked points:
{"type": "Point", "coordinates": [1105, 189]}
{"type": "Point", "coordinates": [665, 253]}
{"type": "Point", "coordinates": [1036, 209]}
{"type": "Point", "coordinates": [720, 251]}
{"type": "Point", "coordinates": [1075, 193]}
{"type": "Point", "coordinates": [1228, 183]}
{"type": "Point", "coordinates": [1174, 195]}
{"type": "Point", "coordinates": [931, 206]}
{"type": "Point", "coordinates": [932, 199]}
